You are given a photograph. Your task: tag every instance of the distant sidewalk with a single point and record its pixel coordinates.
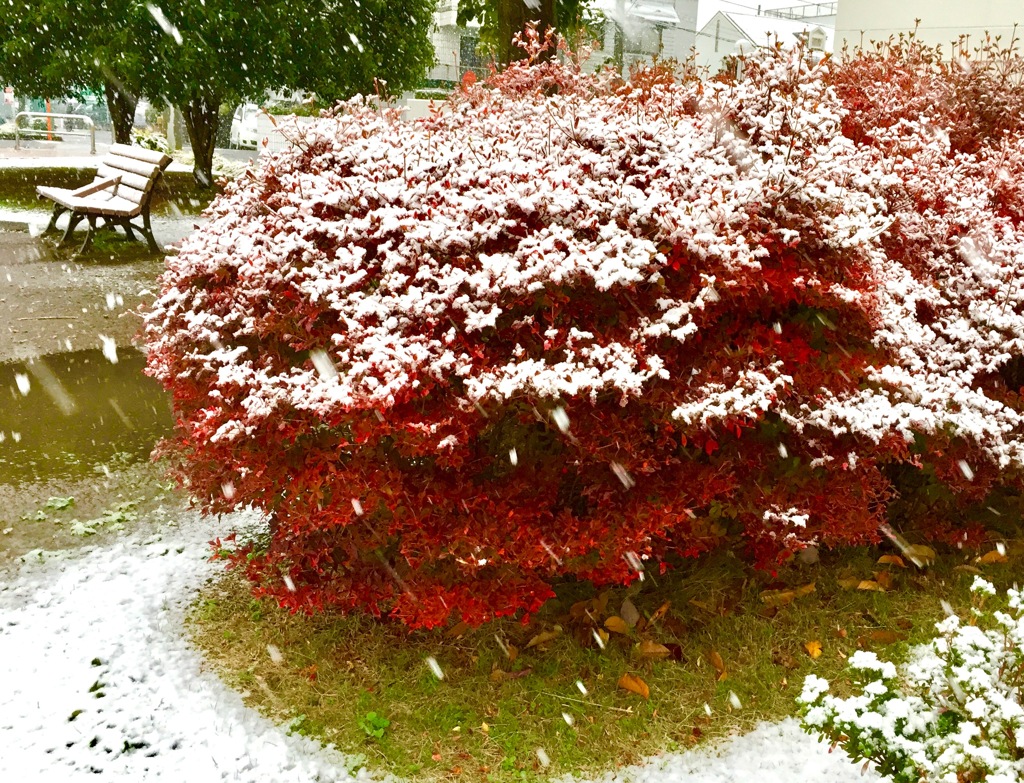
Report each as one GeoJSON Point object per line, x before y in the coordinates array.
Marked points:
{"type": "Point", "coordinates": [74, 153]}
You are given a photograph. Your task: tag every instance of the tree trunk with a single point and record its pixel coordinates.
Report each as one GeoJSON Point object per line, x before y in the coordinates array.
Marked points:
{"type": "Point", "coordinates": [202, 116]}
{"type": "Point", "coordinates": [513, 16]}
{"type": "Point", "coordinates": [121, 106]}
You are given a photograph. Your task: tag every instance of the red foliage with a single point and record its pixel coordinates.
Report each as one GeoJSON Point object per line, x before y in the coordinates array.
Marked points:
{"type": "Point", "coordinates": [574, 326]}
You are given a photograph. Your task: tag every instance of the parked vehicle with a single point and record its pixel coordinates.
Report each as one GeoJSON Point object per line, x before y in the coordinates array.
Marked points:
{"type": "Point", "coordinates": [243, 126]}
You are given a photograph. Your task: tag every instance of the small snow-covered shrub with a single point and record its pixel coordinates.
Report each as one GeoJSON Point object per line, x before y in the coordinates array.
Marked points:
{"type": "Point", "coordinates": [953, 715]}
{"type": "Point", "coordinates": [571, 326]}
{"type": "Point", "coordinates": [151, 140]}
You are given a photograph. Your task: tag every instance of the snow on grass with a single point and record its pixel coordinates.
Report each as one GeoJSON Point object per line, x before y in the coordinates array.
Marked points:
{"type": "Point", "coordinates": [99, 683]}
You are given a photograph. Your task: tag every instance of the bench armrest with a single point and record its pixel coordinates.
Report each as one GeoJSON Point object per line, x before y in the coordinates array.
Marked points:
{"type": "Point", "coordinates": [96, 187]}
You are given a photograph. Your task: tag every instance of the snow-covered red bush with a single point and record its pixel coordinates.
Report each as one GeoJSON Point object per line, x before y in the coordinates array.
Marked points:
{"type": "Point", "coordinates": [954, 714]}
{"type": "Point", "coordinates": [571, 326]}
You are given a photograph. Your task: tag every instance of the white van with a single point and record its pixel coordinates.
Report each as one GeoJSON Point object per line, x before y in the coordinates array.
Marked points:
{"type": "Point", "coordinates": [243, 126]}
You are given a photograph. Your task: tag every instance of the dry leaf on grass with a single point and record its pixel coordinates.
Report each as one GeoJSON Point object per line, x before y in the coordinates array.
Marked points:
{"type": "Point", "coordinates": [652, 650]}
{"type": "Point", "coordinates": [660, 612]}
{"type": "Point", "coordinates": [995, 556]}
{"type": "Point", "coordinates": [579, 609]}
{"type": "Point", "coordinates": [497, 675]}
{"type": "Point", "coordinates": [869, 584]}
{"type": "Point", "coordinates": [457, 630]}
{"type": "Point", "coordinates": [719, 664]}
{"type": "Point", "coordinates": [544, 637]}
{"type": "Point", "coordinates": [633, 684]}
{"type": "Point", "coordinates": [783, 597]}
{"type": "Point", "coordinates": [616, 624]}
{"type": "Point", "coordinates": [967, 569]}
{"type": "Point", "coordinates": [895, 560]}
{"type": "Point", "coordinates": [885, 579]}
{"type": "Point", "coordinates": [849, 582]}
{"type": "Point", "coordinates": [813, 648]}
{"type": "Point", "coordinates": [919, 553]}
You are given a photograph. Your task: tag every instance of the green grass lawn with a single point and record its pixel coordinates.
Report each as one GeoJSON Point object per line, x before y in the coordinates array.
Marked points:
{"type": "Point", "coordinates": [527, 702]}
{"type": "Point", "coordinates": [176, 193]}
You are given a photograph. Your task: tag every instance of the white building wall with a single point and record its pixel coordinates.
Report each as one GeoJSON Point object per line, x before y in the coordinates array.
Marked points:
{"type": "Point", "coordinates": [716, 41]}
{"type": "Point", "coordinates": [447, 42]}
{"type": "Point", "coordinates": [942, 21]}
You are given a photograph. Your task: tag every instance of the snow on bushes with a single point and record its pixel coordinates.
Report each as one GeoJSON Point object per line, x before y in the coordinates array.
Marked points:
{"type": "Point", "coordinates": [575, 326]}
{"type": "Point", "coordinates": [955, 713]}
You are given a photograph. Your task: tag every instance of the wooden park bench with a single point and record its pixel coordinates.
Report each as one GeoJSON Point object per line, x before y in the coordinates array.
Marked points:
{"type": "Point", "coordinates": [121, 192]}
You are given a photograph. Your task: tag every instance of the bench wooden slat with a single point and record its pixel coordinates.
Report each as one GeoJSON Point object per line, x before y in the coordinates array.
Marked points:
{"type": "Point", "coordinates": [116, 206]}
{"type": "Point", "coordinates": [103, 171]}
{"type": "Point", "coordinates": [139, 153]}
{"type": "Point", "coordinates": [131, 194]}
{"type": "Point", "coordinates": [98, 203]}
{"type": "Point", "coordinates": [147, 170]}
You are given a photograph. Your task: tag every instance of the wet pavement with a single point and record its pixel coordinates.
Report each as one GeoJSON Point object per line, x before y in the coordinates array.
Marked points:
{"type": "Point", "coordinates": [78, 418]}
{"type": "Point", "coordinates": [65, 413]}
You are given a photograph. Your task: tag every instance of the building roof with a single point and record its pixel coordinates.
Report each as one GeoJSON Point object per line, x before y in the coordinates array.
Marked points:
{"type": "Point", "coordinates": [656, 12]}
{"type": "Point", "coordinates": [764, 30]}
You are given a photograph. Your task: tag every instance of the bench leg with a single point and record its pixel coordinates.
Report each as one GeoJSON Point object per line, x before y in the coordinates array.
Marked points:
{"type": "Point", "coordinates": [88, 234]}
{"type": "Point", "coordinates": [58, 210]}
{"type": "Point", "coordinates": [147, 231]}
{"type": "Point", "coordinates": [127, 226]}
{"type": "Point", "coordinates": [73, 222]}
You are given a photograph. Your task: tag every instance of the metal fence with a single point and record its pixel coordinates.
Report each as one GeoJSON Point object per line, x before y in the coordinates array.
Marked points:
{"type": "Point", "coordinates": [90, 127]}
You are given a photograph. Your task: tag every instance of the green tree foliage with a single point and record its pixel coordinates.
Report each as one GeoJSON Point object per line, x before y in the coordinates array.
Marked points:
{"type": "Point", "coordinates": [198, 56]}
{"type": "Point", "coordinates": [58, 49]}
{"type": "Point", "coordinates": [501, 19]}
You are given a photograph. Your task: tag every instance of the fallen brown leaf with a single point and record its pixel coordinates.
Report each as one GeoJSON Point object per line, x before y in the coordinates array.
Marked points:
{"type": "Point", "coordinates": [783, 597]}
{"type": "Point", "coordinates": [919, 553]}
{"type": "Point", "coordinates": [660, 612]}
{"type": "Point", "coordinates": [995, 556]}
{"type": "Point", "coordinates": [895, 560]}
{"type": "Point", "coordinates": [868, 584]}
{"type": "Point", "coordinates": [578, 610]}
{"type": "Point", "coordinates": [616, 624]}
{"type": "Point", "coordinates": [497, 675]}
{"type": "Point", "coordinates": [457, 630]}
{"type": "Point", "coordinates": [633, 684]}
{"type": "Point", "coordinates": [675, 651]}
{"type": "Point", "coordinates": [719, 664]}
{"type": "Point", "coordinates": [544, 637]}
{"type": "Point", "coordinates": [967, 569]}
{"type": "Point", "coordinates": [652, 650]}
{"type": "Point", "coordinates": [885, 579]}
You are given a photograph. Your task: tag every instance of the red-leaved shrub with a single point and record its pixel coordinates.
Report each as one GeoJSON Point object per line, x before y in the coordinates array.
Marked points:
{"type": "Point", "coordinates": [576, 326]}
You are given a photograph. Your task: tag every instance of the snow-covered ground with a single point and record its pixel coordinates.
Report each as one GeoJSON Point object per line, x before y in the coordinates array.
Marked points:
{"type": "Point", "coordinates": [98, 683]}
